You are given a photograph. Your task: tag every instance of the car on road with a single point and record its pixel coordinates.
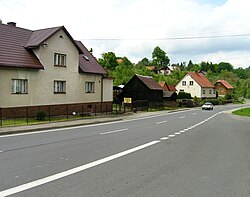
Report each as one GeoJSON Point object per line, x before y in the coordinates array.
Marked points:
{"type": "Point", "coordinates": [207, 106]}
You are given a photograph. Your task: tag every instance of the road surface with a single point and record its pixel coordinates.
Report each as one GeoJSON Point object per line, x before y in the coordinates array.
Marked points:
{"type": "Point", "coordinates": [190, 153]}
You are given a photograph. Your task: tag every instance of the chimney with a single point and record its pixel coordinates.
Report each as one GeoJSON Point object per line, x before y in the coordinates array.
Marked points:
{"type": "Point", "coordinates": [12, 24]}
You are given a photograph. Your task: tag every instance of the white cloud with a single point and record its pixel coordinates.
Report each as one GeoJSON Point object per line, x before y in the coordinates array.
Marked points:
{"type": "Point", "coordinates": [139, 25]}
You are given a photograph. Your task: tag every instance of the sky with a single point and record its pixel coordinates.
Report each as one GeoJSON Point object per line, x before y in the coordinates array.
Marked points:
{"type": "Point", "coordinates": [197, 30]}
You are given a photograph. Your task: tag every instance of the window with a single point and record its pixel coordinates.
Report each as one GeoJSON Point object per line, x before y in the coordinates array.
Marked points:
{"type": "Point", "coordinates": [19, 86]}
{"type": "Point", "coordinates": [59, 87]}
{"type": "Point", "coordinates": [59, 59]}
{"type": "Point", "coordinates": [210, 91]}
{"type": "Point", "coordinates": [184, 83]}
{"type": "Point", "coordinates": [191, 83]}
{"type": "Point", "coordinates": [203, 91]}
{"type": "Point", "coordinates": [181, 90]}
{"type": "Point", "coordinates": [89, 87]}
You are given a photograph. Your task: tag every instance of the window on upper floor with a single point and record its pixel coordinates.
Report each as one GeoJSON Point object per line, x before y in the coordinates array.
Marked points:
{"type": "Point", "coordinates": [59, 59]}
{"type": "Point", "coordinates": [19, 86]}
{"type": "Point", "coordinates": [203, 91]}
{"type": "Point", "coordinates": [184, 83]}
{"type": "Point", "coordinates": [191, 83]}
{"type": "Point", "coordinates": [90, 87]}
{"type": "Point", "coordinates": [210, 91]}
{"type": "Point", "coordinates": [59, 87]}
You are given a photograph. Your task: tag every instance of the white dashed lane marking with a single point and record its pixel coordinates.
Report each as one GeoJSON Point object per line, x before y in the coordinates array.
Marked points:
{"type": "Point", "coordinates": [162, 122]}
{"type": "Point", "coordinates": [182, 117]}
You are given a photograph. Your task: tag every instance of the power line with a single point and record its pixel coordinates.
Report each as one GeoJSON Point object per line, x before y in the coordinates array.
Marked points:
{"type": "Point", "coordinates": [169, 38]}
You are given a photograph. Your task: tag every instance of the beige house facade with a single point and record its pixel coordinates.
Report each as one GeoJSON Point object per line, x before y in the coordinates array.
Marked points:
{"type": "Point", "coordinates": [197, 85]}
{"type": "Point", "coordinates": [62, 72]}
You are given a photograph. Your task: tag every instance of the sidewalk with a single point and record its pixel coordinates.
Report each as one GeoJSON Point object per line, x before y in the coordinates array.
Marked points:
{"type": "Point", "coordinates": [72, 123]}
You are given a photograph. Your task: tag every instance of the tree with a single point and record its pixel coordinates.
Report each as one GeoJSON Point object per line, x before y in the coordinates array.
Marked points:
{"type": "Point", "coordinates": [224, 66]}
{"type": "Point", "coordinates": [123, 72]}
{"type": "Point", "coordinates": [108, 60]}
{"type": "Point", "coordinates": [144, 62]}
{"type": "Point", "coordinates": [160, 59]}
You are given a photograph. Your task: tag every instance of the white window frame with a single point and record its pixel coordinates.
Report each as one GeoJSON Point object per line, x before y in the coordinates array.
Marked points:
{"type": "Point", "coordinates": [184, 83]}
{"type": "Point", "coordinates": [59, 59]}
{"type": "Point", "coordinates": [89, 87]}
{"type": "Point", "coordinates": [191, 83]}
{"type": "Point", "coordinates": [203, 91]}
{"type": "Point", "coordinates": [59, 87]}
{"type": "Point", "coordinates": [19, 86]}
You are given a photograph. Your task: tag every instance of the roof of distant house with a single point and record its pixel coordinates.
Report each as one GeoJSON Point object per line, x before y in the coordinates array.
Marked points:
{"type": "Point", "coordinates": [150, 82]}
{"type": "Point", "coordinates": [201, 79]}
{"type": "Point", "coordinates": [225, 83]}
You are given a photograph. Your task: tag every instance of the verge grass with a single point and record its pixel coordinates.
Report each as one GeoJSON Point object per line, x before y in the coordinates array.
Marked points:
{"type": "Point", "coordinates": [242, 112]}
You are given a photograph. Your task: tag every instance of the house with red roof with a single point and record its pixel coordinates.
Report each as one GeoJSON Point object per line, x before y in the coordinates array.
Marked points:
{"type": "Point", "coordinates": [197, 85]}
{"type": "Point", "coordinates": [48, 68]}
{"type": "Point", "coordinates": [169, 91]}
{"type": "Point", "coordinates": [223, 87]}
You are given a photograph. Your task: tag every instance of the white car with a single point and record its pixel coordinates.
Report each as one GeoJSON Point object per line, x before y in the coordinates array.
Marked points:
{"type": "Point", "coordinates": [208, 106]}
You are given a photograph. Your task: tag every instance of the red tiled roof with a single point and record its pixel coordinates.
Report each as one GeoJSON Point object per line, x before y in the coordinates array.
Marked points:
{"type": "Point", "coordinates": [12, 48]}
{"type": "Point", "coordinates": [225, 83]}
{"type": "Point", "coordinates": [88, 63]}
{"type": "Point", "coordinates": [167, 87]}
{"type": "Point", "coordinates": [201, 79]}
{"type": "Point", "coordinates": [150, 82]}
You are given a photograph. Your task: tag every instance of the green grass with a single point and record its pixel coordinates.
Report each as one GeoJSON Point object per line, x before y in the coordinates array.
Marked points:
{"type": "Point", "coordinates": [242, 112]}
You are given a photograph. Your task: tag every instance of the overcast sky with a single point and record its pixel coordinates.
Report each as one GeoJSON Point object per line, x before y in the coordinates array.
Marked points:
{"type": "Point", "coordinates": [197, 30]}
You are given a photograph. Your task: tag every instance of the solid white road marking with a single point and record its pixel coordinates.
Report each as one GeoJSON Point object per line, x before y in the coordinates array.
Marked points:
{"type": "Point", "coordinates": [162, 122]}
{"type": "Point", "coordinates": [116, 131]}
{"type": "Point", "coordinates": [60, 175]}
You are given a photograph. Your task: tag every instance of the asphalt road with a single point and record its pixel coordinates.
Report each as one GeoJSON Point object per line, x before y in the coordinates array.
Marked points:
{"type": "Point", "coordinates": [191, 153]}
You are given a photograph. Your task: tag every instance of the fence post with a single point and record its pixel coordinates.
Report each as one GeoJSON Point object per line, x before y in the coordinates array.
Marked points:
{"type": "Point", "coordinates": [27, 115]}
{"type": "Point", "coordinates": [1, 117]}
{"type": "Point", "coordinates": [49, 112]}
{"type": "Point", "coordinates": [67, 111]}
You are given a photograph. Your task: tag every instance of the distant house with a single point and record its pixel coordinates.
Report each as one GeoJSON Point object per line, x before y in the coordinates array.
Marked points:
{"type": "Point", "coordinates": [153, 68]}
{"type": "Point", "coordinates": [197, 85]}
{"type": "Point", "coordinates": [223, 88]}
{"type": "Point", "coordinates": [47, 68]}
{"type": "Point", "coordinates": [143, 88]}
{"type": "Point", "coordinates": [169, 91]}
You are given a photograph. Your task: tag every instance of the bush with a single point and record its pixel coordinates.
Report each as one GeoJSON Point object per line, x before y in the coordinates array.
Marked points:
{"type": "Point", "coordinates": [213, 101]}
{"type": "Point", "coordinates": [184, 95]}
{"type": "Point", "coordinates": [40, 115]}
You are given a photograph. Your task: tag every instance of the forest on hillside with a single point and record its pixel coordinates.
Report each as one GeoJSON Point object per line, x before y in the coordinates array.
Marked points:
{"type": "Point", "coordinates": [122, 69]}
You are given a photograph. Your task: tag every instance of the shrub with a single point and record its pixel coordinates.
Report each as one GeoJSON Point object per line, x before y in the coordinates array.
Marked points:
{"type": "Point", "coordinates": [40, 115]}
{"type": "Point", "coordinates": [213, 101]}
{"type": "Point", "coordinates": [184, 95]}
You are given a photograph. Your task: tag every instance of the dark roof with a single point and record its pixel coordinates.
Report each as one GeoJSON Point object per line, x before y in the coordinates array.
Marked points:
{"type": "Point", "coordinates": [225, 83]}
{"type": "Point", "coordinates": [149, 82]}
{"type": "Point", "coordinates": [12, 48]}
{"type": "Point", "coordinates": [88, 63]}
{"type": "Point", "coordinates": [201, 79]}
{"type": "Point", "coordinates": [17, 44]}
{"type": "Point", "coordinates": [40, 36]}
